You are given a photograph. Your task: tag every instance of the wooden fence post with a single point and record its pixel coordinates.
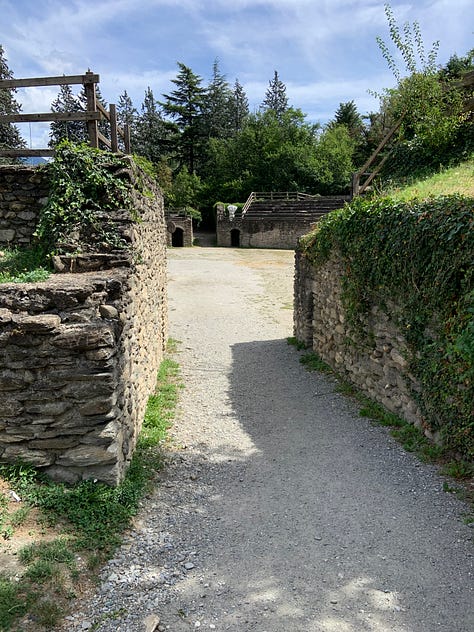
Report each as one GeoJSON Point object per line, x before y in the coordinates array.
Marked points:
{"type": "Point", "coordinates": [113, 128]}
{"type": "Point", "coordinates": [126, 133]}
{"type": "Point", "coordinates": [92, 127]}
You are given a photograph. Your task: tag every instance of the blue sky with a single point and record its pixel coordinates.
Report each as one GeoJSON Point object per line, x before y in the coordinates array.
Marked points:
{"type": "Point", "coordinates": [325, 51]}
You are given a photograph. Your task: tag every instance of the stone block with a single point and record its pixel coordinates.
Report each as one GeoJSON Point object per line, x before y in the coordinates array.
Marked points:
{"type": "Point", "coordinates": [84, 337]}
{"type": "Point", "coordinates": [7, 235]}
{"type": "Point", "coordinates": [23, 454]}
{"type": "Point", "coordinates": [87, 456]}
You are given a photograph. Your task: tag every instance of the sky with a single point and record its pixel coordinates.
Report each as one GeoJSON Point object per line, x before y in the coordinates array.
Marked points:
{"type": "Point", "coordinates": [325, 51]}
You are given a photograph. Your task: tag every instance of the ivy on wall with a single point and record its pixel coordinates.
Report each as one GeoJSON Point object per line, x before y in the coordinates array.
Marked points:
{"type": "Point", "coordinates": [419, 256]}
{"type": "Point", "coordinates": [86, 190]}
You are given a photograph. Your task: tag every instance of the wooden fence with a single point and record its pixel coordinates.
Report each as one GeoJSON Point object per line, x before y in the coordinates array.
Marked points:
{"type": "Point", "coordinates": [94, 113]}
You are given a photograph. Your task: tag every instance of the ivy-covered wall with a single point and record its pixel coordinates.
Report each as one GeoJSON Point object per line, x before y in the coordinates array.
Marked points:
{"type": "Point", "coordinates": [79, 353]}
{"type": "Point", "coordinates": [384, 292]}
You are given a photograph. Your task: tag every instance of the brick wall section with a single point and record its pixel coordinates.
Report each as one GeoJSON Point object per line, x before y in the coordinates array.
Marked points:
{"type": "Point", "coordinates": [80, 354]}
{"type": "Point", "coordinates": [379, 370]}
{"type": "Point", "coordinates": [23, 191]}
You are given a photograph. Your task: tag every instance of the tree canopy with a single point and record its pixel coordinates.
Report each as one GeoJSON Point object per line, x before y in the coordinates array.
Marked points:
{"type": "Point", "coordinates": [10, 137]}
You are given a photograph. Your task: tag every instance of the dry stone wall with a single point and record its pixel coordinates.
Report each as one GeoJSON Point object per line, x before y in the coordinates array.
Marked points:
{"type": "Point", "coordinates": [379, 368]}
{"type": "Point", "coordinates": [79, 354]}
{"type": "Point", "coordinates": [23, 191]}
{"type": "Point", "coordinates": [179, 230]}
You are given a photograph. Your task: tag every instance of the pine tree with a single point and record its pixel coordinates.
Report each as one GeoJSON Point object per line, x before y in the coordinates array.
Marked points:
{"type": "Point", "coordinates": [75, 131]}
{"type": "Point", "coordinates": [347, 115]}
{"type": "Point", "coordinates": [126, 115]}
{"type": "Point", "coordinates": [185, 107]}
{"type": "Point", "coordinates": [148, 130]}
{"type": "Point", "coordinates": [239, 107]}
{"type": "Point", "coordinates": [217, 112]}
{"type": "Point", "coordinates": [10, 137]}
{"type": "Point", "coordinates": [275, 96]}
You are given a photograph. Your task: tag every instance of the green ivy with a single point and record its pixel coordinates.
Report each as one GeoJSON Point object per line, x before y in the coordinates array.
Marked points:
{"type": "Point", "coordinates": [418, 255]}
{"type": "Point", "coordinates": [85, 189]}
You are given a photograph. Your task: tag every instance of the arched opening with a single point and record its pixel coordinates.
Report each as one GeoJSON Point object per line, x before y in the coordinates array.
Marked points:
{"type": "Point", "coordinates": [235, 238]}
{"type": "Point", "coordinates": [177, 238]}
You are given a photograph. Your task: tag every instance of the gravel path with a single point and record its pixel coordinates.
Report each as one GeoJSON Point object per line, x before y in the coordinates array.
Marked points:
{"type": "Point", "coordinates": [280, 510]}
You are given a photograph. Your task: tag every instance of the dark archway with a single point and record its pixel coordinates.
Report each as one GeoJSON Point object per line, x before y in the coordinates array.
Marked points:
{"type": "Point", "coordinates": [177, 238]}
{"type": "Point", "coordinates": [235, 238]}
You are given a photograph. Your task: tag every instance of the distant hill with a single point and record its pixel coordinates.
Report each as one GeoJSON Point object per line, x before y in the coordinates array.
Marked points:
{"type": "Point", "coordinates": [34, 160]}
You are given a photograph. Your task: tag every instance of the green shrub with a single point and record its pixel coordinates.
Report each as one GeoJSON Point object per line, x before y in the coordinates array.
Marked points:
{"type": "Point", "coordinates": [23, 265]}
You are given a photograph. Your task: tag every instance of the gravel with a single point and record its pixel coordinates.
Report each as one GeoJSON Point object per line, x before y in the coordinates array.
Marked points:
{"type": "Point", "coordinates": [279, 509]}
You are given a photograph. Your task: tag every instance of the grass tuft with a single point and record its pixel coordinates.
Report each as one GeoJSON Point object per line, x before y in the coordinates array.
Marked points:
{"type": "Point", "coordinates": [23, 265]}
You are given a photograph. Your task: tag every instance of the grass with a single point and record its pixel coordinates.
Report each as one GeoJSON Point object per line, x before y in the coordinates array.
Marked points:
{"type": "Point", "coordinates": [313, 362]}
{"type": "Point", "coordinates": [90, 516]}
{"type": "Point", "coordinates": [298, 344]}
{"type": "Point", "coordinates": [23, 265]}
{"type": "Point", "coordinates": [459, 179]}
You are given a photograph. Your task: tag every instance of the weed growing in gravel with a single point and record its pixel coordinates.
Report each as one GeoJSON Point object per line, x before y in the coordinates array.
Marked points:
{"type": "Point", "coordinates": [313, 362]}
{"type": "Point", "coordinates": [91, 515]}
{"type": "Point", "coordinates": [298, 344]}
{"type": "Point", "coordinates": [458, 469]}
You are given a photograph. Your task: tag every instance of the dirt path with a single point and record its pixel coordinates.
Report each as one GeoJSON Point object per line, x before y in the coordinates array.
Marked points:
{"type": "Point", "coordinates": [308, 518]}
{"type": "Point", "coordinates": [281, 510]}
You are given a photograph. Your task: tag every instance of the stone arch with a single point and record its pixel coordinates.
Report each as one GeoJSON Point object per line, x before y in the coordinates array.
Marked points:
{"type": "Point", "coordinates": [235, 238]}
{"type": "Point", "coordinates": [177, 238]}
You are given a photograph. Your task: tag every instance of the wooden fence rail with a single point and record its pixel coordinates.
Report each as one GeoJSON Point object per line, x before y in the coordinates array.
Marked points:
{"type": "Point", "coordinates": [94, 113]}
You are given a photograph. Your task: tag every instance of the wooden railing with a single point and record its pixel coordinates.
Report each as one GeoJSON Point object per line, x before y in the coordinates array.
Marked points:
{"type": "Point", "coordinates": [358, 187]}
{"type": "Point", "coordinates": [94, 113]}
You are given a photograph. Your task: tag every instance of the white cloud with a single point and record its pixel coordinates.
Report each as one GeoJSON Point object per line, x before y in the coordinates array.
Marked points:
{"type": "Point", "coordinates": [324, 50]}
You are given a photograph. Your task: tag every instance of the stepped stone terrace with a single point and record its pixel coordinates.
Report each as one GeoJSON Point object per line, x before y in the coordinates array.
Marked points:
{"type": "Point", "coordinates": [273, 219]}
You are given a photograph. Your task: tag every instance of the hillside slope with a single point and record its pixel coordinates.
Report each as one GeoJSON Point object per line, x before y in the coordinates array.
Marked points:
{"type": "Point", "coordinates": [458, 179]}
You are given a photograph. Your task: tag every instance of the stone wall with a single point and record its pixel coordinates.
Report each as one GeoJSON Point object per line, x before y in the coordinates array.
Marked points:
{"type": "Point", "coordinates": [23, 191]}
{"type": "Point", "coordinates": [378, 368]}
{"type": "Point", "coordinates": [179, 230]}
{"type": "Point", "coordinates": [263, 233]}
{"type": "Point", "coordinates": [79, 354]}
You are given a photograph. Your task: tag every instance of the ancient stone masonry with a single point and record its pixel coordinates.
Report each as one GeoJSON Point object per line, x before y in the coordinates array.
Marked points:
{"type": "Point", "coordinates": [378, 365]}
{"type": "Point", "coordinates": [23, 191]}
{"type": "Point", "coordinates": [179, 229]}
{"type": "Point", "coordinates": [79, 353]}
{"type": "Point", "coordinates": [272, 223]}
